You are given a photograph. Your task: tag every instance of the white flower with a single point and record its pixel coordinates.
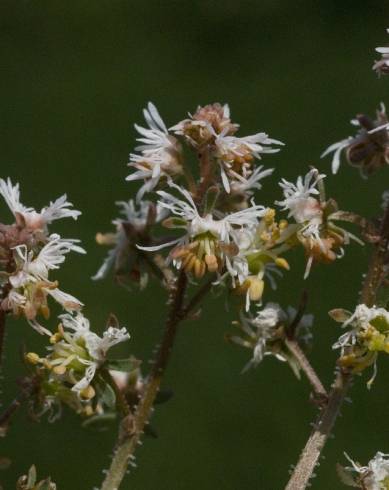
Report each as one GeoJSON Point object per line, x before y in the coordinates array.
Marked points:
{"type": "Point", "coordinates": [79, 343]}
{"type": "Point", "coordinates": [49, 257]}
{"type": "Point", "coordinates": [58, 209]}
{"type": "Point", "coordinates": [156, 137]}
{"type": "Point", "coordinates": [232, 148]}
{"type": "Point", "coordinates": [221, 228]}
{"type": "Point", "coordinates": [298, 198]}
{"type": "Point", "coordinates": [159, 153]}
{"type": "Point", "coordinates": [375, 476]}
{"type": "Point", "coordinates": [337, 149]}
{"type": "Point", "coordinates": [138, 219]}
{"type": "Point", "coordinates": [30, 281]}
{"type": "Point", "coordinates": [242, 185]}
{"type": "Point", "coordinates": [262, 334]}
{"type": "Point", "coordinates": [259, 330]}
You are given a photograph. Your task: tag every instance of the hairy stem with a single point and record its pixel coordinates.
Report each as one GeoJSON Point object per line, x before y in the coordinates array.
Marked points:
{"type": "Point", "coordinates": [307, 368]}
{"type": "Point", "coordinates": [327, 418]}
{"type": "Point", "coordinates": [5, 417]}
{"type": "Point", "coordinates": [133, 425]}
{"type": "Point", "coordinates": [2, 333]}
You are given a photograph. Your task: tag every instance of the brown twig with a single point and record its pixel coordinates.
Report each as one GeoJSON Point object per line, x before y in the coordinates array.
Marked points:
{"type": "Point", "coordinates": [25, 393]}
{"type": "Point", "coordinates": [128, 439]}
{"type": "Point", "coordinates": [327, 418]}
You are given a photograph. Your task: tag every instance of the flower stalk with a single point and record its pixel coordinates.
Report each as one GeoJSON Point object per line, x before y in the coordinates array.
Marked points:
{"type": "Point", "coordinates": [307, 368]}
{"type": "Point", "coordinates": [327, 418]}
{"type": "Point", "coordinates": [127, 442]}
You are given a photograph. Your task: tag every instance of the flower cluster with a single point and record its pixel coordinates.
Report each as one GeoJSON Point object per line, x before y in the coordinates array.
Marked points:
{"type": "Point", "coordinates": [265, 332]}
{"type": "Point", "coordinates": [69, 373]}
{"type": "Point", "coordinates": [374, 476]}
{"type": "Point", "coordinates": [224, 232]}
{"type": "Point", "coordinates": [367, 335]}
{"type": "Point", "coordinates": [368, 150]}
{"type": "Point", "coordinates": [315, 218]}
{"type": "Point", "coordinates": [28, 252]}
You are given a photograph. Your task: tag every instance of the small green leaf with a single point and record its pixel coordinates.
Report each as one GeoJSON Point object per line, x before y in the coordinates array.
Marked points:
{"type": "Point", "coordinates": [345, 477]}
{"type": "Point", "coordinates": [125, 365]}
{"type": "Point", "coordinates": [108, 396]}
{"type": "Point", "coordinates": [210, 199]}
{"type": "Point", "coordinates": [339, 315]}
{"type": "Point", "coordinates": [99, 422]}
{"type": "Point", "coordinates": [31, 478]}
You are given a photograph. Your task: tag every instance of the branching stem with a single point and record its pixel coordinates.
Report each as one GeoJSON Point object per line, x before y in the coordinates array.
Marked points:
{"type": "Point", "coordinates": [327, 418]}
{"type": "Point", "coordinates": [133, 425]}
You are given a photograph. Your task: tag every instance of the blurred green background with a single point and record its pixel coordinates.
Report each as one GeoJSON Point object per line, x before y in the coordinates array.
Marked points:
{"type": "Point", "coordinates": [74, 78]}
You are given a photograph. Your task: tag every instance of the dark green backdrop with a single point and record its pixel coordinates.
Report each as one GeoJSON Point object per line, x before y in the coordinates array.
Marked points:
{"type": "Point", "coordinates": [74, 77]}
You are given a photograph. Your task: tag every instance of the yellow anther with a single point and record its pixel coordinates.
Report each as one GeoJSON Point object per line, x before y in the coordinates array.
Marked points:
{"type": "Point", "coordinates": [46, 363]}
{"type": "Point", "coordinates": [87, 393]}
{"type": "Point", "coordinates": [190, 263]}
{"type": "Point", "coordinates": [199, 268]}
{"type": "Point", "coordinates": [88, 411]}
{"type": "Point", "coordinates": [61, 369]}
{"type": "Point", "coordinates": [55, 338]}
{"type": "Point", "coordinates": [269, 216]}
{"type": "Point", "coordinates": [105, 238]}
{"type": "Point", "coordinates": [32, 358]}
{"type": "Point", "coordinates": [283, 224]}
{"type": "Point", "coordinates": [256, 287]}
{"type": "Point", "coordinates": [283, 263]}
{"type": "Point", "coordinates": [211, 262]}
{"type": "Point", "coordinates": [45, 312]}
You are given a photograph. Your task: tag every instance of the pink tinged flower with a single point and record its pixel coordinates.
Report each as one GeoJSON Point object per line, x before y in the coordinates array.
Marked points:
{"type": "Point", "coordinates": [298, 198]}
{"type": "Point", "coordinates": [28, 216]}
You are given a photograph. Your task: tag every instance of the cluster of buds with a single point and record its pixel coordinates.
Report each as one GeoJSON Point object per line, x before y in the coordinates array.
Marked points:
{"type": "Point", "coordinates": [211, 133]}
{"type": "Point", "coordinates": [367, 335]}
{"type": "Point", "coordinates": [28, 253]}
{"type": "Point", "coordinates": [374, 476]}
{"type": "Point", "coordinates": [265, 332]}
{"type": "Point", "coordinates": [70, 373]}
{"type": "Point", "coordinates": [368, 150]}
{"type": "Point", "coordinates": [29, 482]}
